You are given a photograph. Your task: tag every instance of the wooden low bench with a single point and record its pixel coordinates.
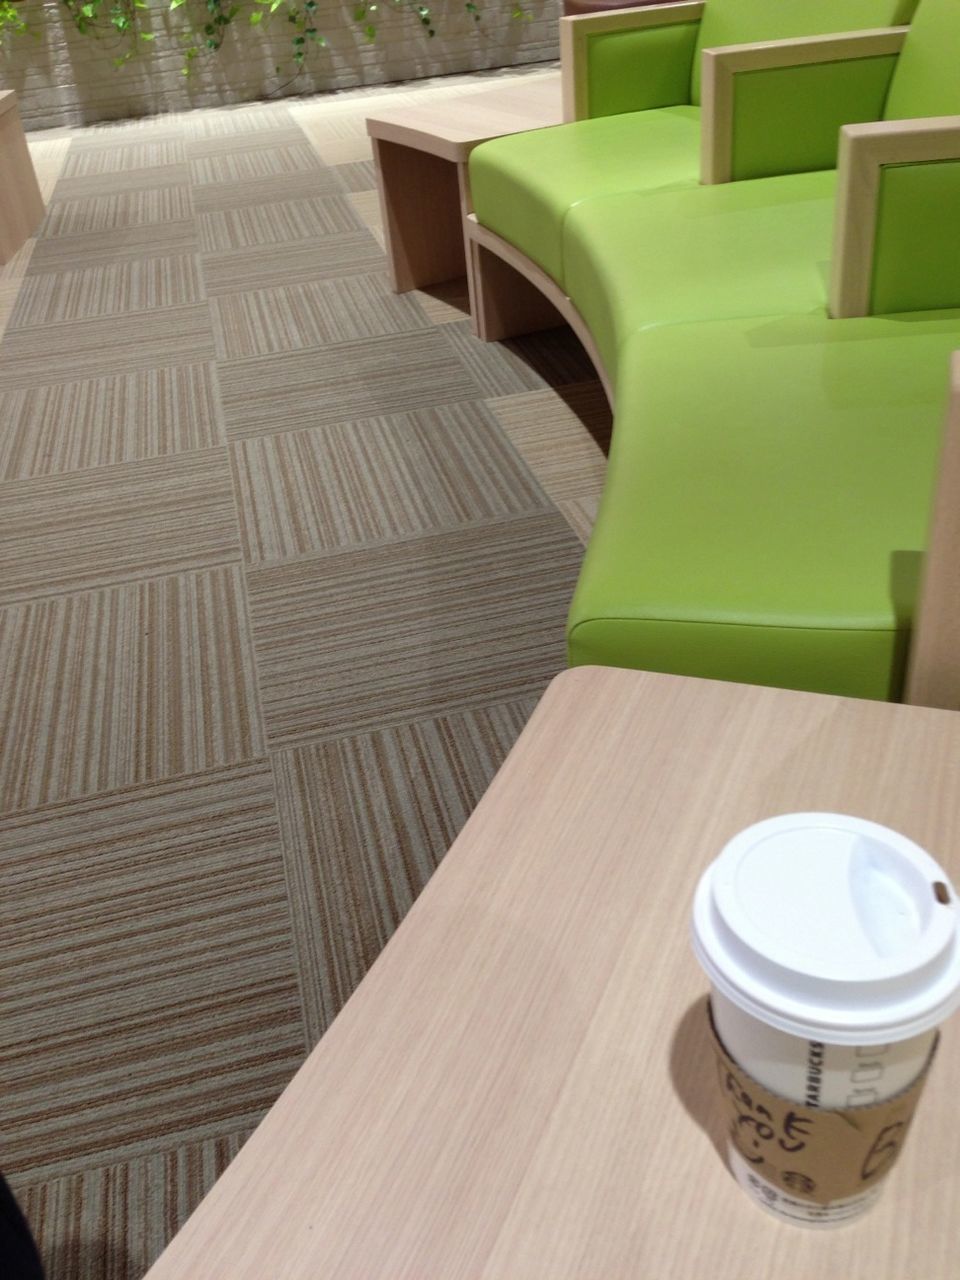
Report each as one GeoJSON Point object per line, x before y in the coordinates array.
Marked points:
{"type": "Point", "coordinates": [21, 204]}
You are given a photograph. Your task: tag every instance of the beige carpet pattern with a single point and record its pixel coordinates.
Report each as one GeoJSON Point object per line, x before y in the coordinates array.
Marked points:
{"type": "Point", "coordinates": [284, 565]}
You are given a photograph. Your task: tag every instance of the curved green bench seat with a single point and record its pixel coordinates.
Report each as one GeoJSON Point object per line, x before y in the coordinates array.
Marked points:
{"type": "Point", "coordinates": [524, 190]}
{"type": "Point", "coordinates": [770, 479]}
{"type": "Point", "coordinates": [767, 500]}
{"type": "Point", "coordinates": [741, 249]}
{"type": "Point", "coordinates": [643, 133]}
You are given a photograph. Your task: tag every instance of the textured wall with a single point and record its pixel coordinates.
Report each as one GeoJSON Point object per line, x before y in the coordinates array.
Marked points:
{"type": "Point", "coordinates": [65, 79]}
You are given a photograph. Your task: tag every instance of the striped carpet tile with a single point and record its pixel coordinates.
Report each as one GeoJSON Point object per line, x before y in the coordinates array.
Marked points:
{"type": "Point", "coordinates": [261, 162]}
{"type": "Point", "coordinates": [115, 210]}
{"type": "Point", "coordinates": [290, 263]}
{"type": "Point", "coordinates": [372, 481]}
{"type": "Point", "coordinates": [113, 289]}
{"type": "Point", "coordinates": [580, 514]}
{"type": "Point", "coordinates": [112, 1222]}
{"type": "Point", "coordinates": [72, 426]}
{"type": "Point", "coordinates": [547, 427]}
{"type": "Point", "coordinates": [12, 274]}
{"type": "Point", "coordinates": [337, 142]}
{"type": "Point", "coordinates": [48, 156]}
{"type": "Point", "coordinates": [105, 346]}
{"type": "Point", "coordinates": [315, 314]}
{"type": "Point", "coordinates": [156, 999]}
{"type": "Point", "coordinates": [359, 176]}
{"type": "Point", "coordinates": [108, 248]}
{"type": "Point", "coordinates": [358, 379]}
{"type": "Point", "coordinates": [275, 223]}
{"type": "Point", "coordinates": [446, 303]}
{"type": "Point", "coordinates": [103, 159]}
{"type": "Point", "coordinates": [109, 133]}
{"type": "Point", "coordinates": [367, 207]}
{"type": "Point", "coordinates": [159, 177]}
{"type": "Point", "coordinates": [279, 134]}
{"type": "Point", "coordinates": [113, 688]}
{"type": "Point", "coordinates": [406, 630]}
{"type": "Point", "coordinates": [243, 120]}
{"type": "Point", "coordinates": [497, 369]}
{"type": "Point", "coordinates": [150, 994]}
{"type": "Point", "coordinates": [297, 184]}
{"type": "Point", "coordinates": [91, 528]}
{"type": "Point", "coordinates": [552, 357]}
{"type": "Point", "coordinates": [365, 820]}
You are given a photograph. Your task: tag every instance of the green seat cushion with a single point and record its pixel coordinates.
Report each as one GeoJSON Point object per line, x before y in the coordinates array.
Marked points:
{"type": "Point", "coordinates": [522, 186]}
{"type": "Point", "coordinates": [747, 248]}
{"type": "Point", "coordinates": [767, 500]}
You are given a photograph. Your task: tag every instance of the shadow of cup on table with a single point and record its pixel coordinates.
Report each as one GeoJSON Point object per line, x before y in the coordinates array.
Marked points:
{"type": "Point", "coordinates": [693, 1072]}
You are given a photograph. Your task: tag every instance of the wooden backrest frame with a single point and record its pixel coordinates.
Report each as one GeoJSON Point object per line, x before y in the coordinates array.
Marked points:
{"type": "Point", "coordinates": [864, 150]}
{"type": "Point", "coordinates": [720, 68]}
{"type": "Point", "coordinates": [576, 33]}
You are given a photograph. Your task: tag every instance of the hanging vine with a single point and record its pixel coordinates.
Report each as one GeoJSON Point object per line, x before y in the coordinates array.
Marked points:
{"type": "Point", "coordinates": [203, 24]}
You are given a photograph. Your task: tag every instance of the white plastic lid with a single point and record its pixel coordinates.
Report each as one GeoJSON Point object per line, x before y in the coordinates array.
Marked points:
{"type": "Point", "coordinates": [831, 928]}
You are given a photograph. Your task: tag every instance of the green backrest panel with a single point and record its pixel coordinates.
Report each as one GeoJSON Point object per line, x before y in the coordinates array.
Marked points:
{"type": "Point", "coordinates": [639, 70]}
{"type": "Point", "coordinates": [927, 79]}
{"type": "Point", "coordinates": [789, 118]}
{"type": "Point", "coordinates": [916, 262]}
{"type": "Point", "coordinates": [745, 21]}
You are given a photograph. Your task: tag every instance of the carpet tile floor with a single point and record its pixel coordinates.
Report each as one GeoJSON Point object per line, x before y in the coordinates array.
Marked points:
{"type": "Point", "coordinates": [284, 565]}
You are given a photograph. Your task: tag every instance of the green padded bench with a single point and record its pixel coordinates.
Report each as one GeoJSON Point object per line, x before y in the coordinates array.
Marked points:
{"type": "Point", "coordinates": [641, 70]}
{"type": "Point", "coordinates": [779, 351]}
{"type": "Point", "coordinates": [763, 246]}
{"type": "Point", "coordinates": [767, 501]}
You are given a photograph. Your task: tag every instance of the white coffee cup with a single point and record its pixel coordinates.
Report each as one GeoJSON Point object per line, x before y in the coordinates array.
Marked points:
{"type": "Point", "coordinates": [833, 948]}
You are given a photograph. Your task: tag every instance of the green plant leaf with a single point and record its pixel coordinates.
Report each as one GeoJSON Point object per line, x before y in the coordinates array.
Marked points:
{"type": "Point", "coordinates": [256, 17]}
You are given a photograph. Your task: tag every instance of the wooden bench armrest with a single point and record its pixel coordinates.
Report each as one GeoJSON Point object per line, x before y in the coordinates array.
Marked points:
{"type": "Point", "coordinates": [722, 67]}
{"type": "Point", "coordinates": [864, 151]}
{"type": "Point", "coordinates": [577, 32]}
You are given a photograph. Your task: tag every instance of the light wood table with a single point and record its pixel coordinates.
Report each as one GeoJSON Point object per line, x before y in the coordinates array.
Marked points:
{"type": "Point", "coordinates": [521, 1087]}
{"type": "Point", "coordinates": [21, 204]}
{"type": "Point", "coordinates": [421, 154]}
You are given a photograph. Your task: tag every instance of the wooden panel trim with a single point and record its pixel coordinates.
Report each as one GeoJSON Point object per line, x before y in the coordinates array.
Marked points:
{"type": "Point", "coordinates": [8, 100]}
{"type": "Point", "coordinates": [720, 67]}
{"type": "Point", "coordinates": [576, 33]}
{"type": "Point", "coordinates": [933, 671]}
{"type": "Point", "coordinates": [864, 150]}
{"type": "Point", "coordinates": [482, 237]}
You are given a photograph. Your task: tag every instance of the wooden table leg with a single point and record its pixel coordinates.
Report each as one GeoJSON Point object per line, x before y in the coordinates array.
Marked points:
{"type": "Point", "coordinates": [21, 204]}
{"type": "Point", "coordinates": [422, 222]}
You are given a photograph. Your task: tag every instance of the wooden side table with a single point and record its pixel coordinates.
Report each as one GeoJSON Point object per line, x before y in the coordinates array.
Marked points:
{"type": "Point", "coordinates": [521, 1088]}
{"type": "Point", "coordinates": [421, 155]}
{"type": "Point", "coordinates": [21, 204]}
